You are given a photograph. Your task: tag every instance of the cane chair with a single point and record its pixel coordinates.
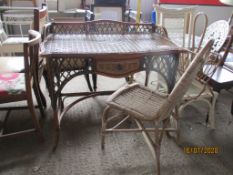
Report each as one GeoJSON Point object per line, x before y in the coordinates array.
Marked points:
{"type": "Point", "coordinates": [178, 22]}
{"type": "Point", "coordinates": [201, 90]}
{"type": "Point", "coordinates": [223, 77]}
{"type": "Point", "coordinates": [141, 104]}
{"type": "Point", "coordinates": [18, 86]}
{"type": "Point", "coordinates": [14, 44]}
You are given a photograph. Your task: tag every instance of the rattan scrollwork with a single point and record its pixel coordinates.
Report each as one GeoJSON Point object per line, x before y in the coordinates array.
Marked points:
{"type": "Point", "coordinates": [106, 27]}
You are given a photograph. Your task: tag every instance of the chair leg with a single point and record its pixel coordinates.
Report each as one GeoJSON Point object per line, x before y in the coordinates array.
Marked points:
{"type": "Point", "coordinates": [88, 82]}
{"type": "Point", "coordinates": [174, 123]}
{"type": "Point", "coordinates": [104, 124]}
{"type": "Point", "coordinates": [158, 141]}
{"type": "Point", "coordinates": [34, 118]}
{"type": "Point", "coordinates": [4, 125]}
{"type": "Point", "coordinates": [157, 155]}
{"type": "Point", "coordinates": [39, 97]}
{"type": "Point", "coordinates": [177, 118]}
{"type": "Point", "coordinates": [156, 146]}
{"type": "Point", "coordinates": [211, 119]}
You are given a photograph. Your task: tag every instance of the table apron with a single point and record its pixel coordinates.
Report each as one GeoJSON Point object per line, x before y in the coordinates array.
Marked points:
{"type": "Point", "coordinates": [62, 70]}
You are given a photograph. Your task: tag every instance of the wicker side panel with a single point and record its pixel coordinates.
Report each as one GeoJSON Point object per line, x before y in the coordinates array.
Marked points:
{"type": "Point", "coordinates": [106, 27]}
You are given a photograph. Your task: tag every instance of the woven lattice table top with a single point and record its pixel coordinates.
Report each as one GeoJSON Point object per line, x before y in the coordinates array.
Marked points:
{"type": "Point", "coordinates": [106, 44]}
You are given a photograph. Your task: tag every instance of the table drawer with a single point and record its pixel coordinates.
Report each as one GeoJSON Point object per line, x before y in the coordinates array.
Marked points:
{"type": "Point", "coordinates": [117, 68]}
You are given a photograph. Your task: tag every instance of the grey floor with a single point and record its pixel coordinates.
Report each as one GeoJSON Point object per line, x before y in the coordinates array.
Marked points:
{"type": "Point", "coordinates": [79, 151]}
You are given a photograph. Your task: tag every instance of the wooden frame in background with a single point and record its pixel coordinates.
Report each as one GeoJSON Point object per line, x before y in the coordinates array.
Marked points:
{"type": "Point", "coordinates": [192, 2]}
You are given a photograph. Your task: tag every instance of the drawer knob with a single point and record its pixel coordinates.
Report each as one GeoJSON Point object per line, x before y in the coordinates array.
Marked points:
{"type": "Point", "coordinates": [119, 67]}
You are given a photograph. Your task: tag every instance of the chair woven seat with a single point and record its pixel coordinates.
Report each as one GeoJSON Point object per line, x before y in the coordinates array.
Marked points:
{"type": "Point", "coordinates": [139, 101]}
{"type": "Point", "coordinates": [12, 84]}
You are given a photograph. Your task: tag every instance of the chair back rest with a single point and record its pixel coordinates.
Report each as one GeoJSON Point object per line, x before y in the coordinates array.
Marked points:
{"type": "Point", "coordinates": [177, 21]}
{"type": "Point", "coordinates": [196, 46]}
{"type": "Point", "coordinates": [185, 81]}
{"type": "Point", "coordinates": [31, 56]}
{"type": "Point", "coordinates": [218, 31]}
{"type": "Point", "coordinates": [40, 18]}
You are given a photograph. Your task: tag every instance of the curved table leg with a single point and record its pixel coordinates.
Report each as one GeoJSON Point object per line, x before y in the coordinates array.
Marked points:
{"type": "Point", "coordinates": [94, 79]}
{"type": "Point", "coordinates": [57, 128]}
{"type": "Point", "coordinates": [88, 82]}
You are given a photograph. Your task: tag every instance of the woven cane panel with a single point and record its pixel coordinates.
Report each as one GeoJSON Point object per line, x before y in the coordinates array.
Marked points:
{"type": "Point", "coordinates": [69, 28]}
{"type": "Point", "coordinates": [65, 69]}
{"type": "Point", "coordinates": [166, 66]}
{"type": "Point", "coordinates": [140, 100]}
{"type": "Point", "coordinates": [106, 44]}
{"type": "Point", "coordinates": [118, 68]}
{"type": "Point", "coordinates": [103, 27]}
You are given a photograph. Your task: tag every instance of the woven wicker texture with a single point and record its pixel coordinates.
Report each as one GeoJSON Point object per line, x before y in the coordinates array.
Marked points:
{"type": "Point", "coordinates": [140, 100]}
{"type": "Point", "coordinates": [105, 44]}
{"type": "Point", "coordinates": [143, 104]}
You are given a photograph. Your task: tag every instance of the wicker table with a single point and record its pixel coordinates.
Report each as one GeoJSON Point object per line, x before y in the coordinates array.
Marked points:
{"type": "Point", "coordinates": [109, 48]}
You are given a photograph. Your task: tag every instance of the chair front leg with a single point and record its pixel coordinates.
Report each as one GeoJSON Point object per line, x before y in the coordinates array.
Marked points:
{"type": "Point", "coordinates": [34, 117]}
{"type": "Point", "coordinates": [158, 141]}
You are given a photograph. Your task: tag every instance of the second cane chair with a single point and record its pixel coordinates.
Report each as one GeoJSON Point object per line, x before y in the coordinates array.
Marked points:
{"type": "Point", "coordinates": [200, 89]}
{"type": "Point", "coordinates": [20, 86]}
{"type": "Point", "coordinates": [142, 105]}
{"type": "Point", "coordinates": [14, 44]}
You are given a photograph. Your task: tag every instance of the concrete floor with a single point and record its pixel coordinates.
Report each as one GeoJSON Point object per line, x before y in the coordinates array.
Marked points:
{"type": "Point", "coordinates": [79, 151]}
